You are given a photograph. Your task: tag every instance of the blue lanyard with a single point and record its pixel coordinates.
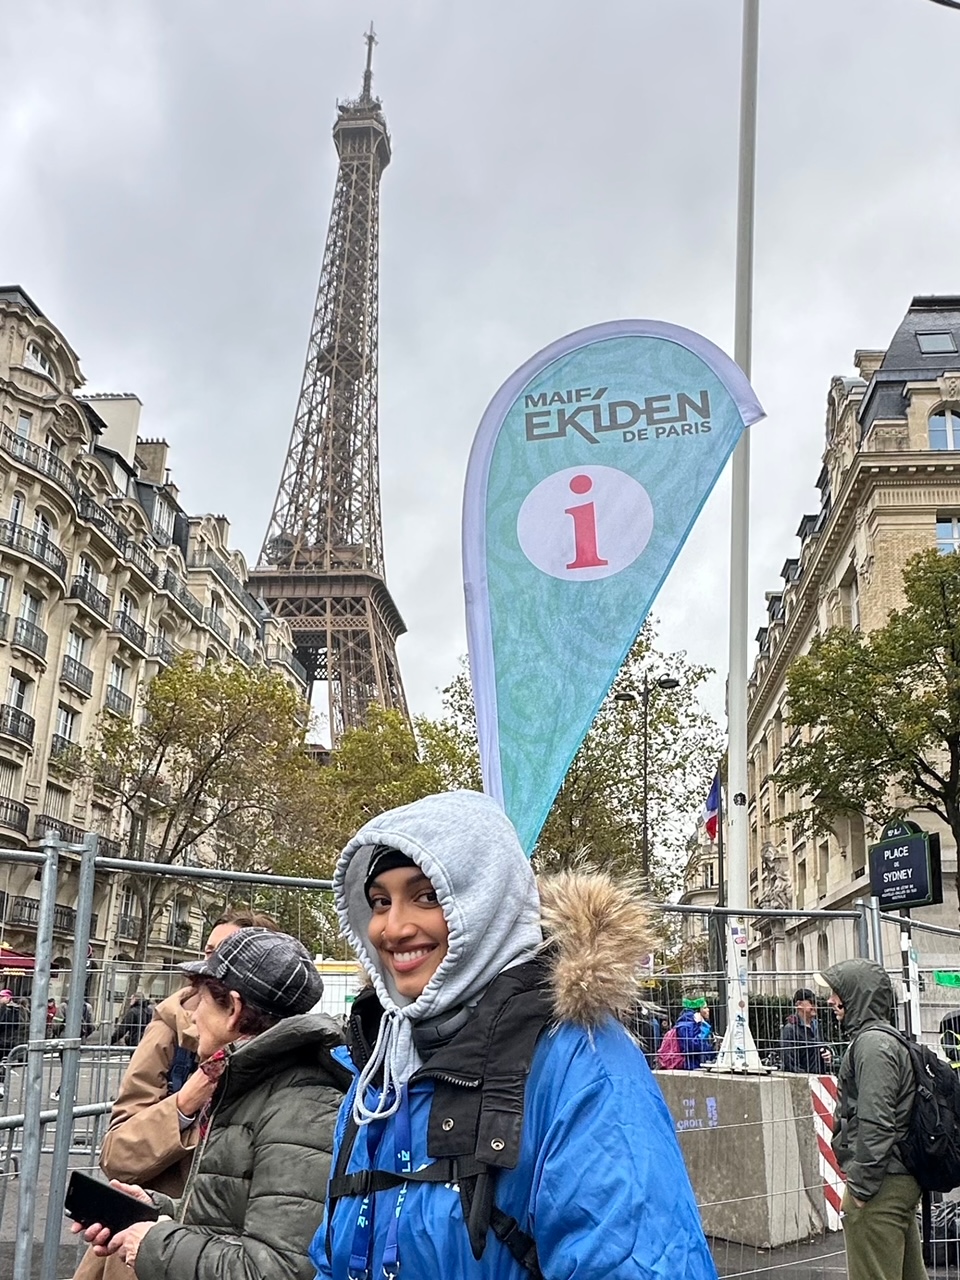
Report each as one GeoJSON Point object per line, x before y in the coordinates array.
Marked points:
{"type": "Point", "coordinates": [360, 1254]}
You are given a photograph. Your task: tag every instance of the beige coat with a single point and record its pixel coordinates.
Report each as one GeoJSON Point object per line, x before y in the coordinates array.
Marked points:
{"type": "Point", "coordinates": [143, 1143]}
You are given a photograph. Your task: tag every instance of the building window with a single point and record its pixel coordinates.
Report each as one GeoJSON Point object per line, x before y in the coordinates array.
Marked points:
{"type": "Point", "coordinates": [44, 525]}
{"type": "Point", "coordinates": [935, 344]}
{"type": "Point", "coordinates": [55, 801]}
{"type": "Point", "coordinates": [118, 675]}
{"type": "Point", "coordinates": [16, 508]}
{"type": "Point", "coordinates": [53, 445]}
{"type": "Point", "coordinates": [24, 421]}
{"type": "Point", "coordinates": [945, 429]}
{"type": "Point", "coordinates": [101, 820]}
{"type": "Point", "coordinates": [31, 608]}
{"type": "Point", "coordinates": [18, 691]}
{"type": "Point", "coordinates": [37, 360]}
{"type": "Point", "coordinates": [77, 647]}
{"type": "Point", "coordinates": [128, 606]}
{"type": "Point", "coordinates": [948, 534]}
{"type": "Point", "coordinates": [9, 780]}
{"type": "Point", "coordinates": [163, 517]}
{"type": "Point", "coordinates": [4, 593]}
{"type": "Point", "coordinates": [66, 722]}
{"type": "Point", "coordinates": [88, 570]}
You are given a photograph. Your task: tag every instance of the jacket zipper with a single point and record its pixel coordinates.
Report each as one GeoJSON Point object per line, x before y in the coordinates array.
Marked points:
{"type": "Point", "coordinates": [198, 1156]}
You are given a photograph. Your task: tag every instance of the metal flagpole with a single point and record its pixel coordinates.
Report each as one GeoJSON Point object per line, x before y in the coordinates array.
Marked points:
{"type": "Point", "coordinates": [738, 1051]}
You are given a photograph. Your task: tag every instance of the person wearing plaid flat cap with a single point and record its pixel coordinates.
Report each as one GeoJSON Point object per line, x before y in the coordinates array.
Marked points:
{"type": "Point", "coordinates": [256, 1188]}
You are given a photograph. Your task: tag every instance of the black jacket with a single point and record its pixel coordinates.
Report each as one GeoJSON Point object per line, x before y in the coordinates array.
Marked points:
{"type": "Point", "coordinates": [801, 1047]}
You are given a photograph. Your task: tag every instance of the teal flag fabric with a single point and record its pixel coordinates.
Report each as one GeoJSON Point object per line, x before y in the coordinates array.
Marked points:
{"type": "Point", "coordinates": [588, 471]}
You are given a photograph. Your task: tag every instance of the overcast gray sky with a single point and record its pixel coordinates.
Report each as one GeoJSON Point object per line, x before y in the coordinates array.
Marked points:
{"type": "Point", "coordinates": [168, 170]}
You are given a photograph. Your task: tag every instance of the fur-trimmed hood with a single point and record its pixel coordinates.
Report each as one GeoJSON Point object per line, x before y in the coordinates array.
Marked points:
{"type": "Point", "coordinates": [598, 930]}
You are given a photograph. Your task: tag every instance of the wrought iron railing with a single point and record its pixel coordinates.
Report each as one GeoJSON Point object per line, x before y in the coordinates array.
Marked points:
{"type": "Point", "coordinates": [209, 560]}
{"type": "Point", "coordinates": [243, 652]}
{"type": "Point", "coordinates": [128, 926]}
{"type": "Point", "coordinates": [178, 934]}
{"type": "Point", "coordinates": [14, 815]}
{"type": "Point", "coordinates": [162, 649]}
{"type": "Point", "coordinates": [43, 823]}
{"type": "Point", "coordinates": [62, 748]}
{"type": "Point", "coordinates": [279, 653]}
{"type": "Point", "coordinates": [216, 624]}
{"type": "Point", "coordinates": [29, 636]}
{"type": "Point", "coordinates": [76, 675]}
{"type": "Point", "coordinates": [118, 701]}
{"type": "Point", "coordinates": [178, 590]}
{"type": "Point", "coordinates": [38, 459]}
{"type": "Point", "coordinates": [111, 529]}
{"type": "Point", "coordinates": [16, 723]}
{"type": "Point", "coordinates": [141, 561]}
{"type": "Point", "coordinates": [83, 589]}
{"type": "Point", "coordinates": [37, 545]}
{"type": "Point", "coordinates": [130, 630]}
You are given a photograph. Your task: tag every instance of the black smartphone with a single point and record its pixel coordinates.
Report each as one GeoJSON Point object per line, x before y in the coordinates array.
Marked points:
{"type": "Point", "coordinates": [89, 1200]}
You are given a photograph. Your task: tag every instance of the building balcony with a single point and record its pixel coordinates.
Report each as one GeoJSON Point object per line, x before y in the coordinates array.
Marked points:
{"type": "Point", "coordinates": [208, 560]}
{"type": "Point", "coordinates": [131, 631]}
{"type": "Point", "coordinates": [26, 911]}
{"type": "Point", "coordinates": [77, 676]}
{"type": "Point", "coordinates": [15, 723]}
{"type": "Point", "coordinates": [37, 459]}
{"type": "Point", "coordinates": [142, 563]}
{"type": "Point", "coordinates": [174, 587]}
{"type": "Point", "coordinates": [213, 620]}
{"type": "Point", "coordinates": [36, 545]}
{"type": "Point", "coordinates": [179, 934]}
{"type": "Point", "coordinates": [128, 927]}
{"type": "Point", "coordinates": [117, 701]}
{"type": "Point", "coordinates": [96, 601]}
{"type": "Point", "coordinates": [109, 848]}
{"type": "Point", "coordinates": [162, 650]}
{"type": "Point", "coordinates": [98, 516]}
{"type": "Point", "coordinates": [285, 657]}
{"type": "Point", "coordinates": [65, 755]}
{"type": "Point", "coordinates": [243, 652]}
{"type": "Point", "coordinates": [28, 636]}
{"type": "Point", "coordinates": [14, 816]}
{"type": "Point", "coordinates": [43, 824]}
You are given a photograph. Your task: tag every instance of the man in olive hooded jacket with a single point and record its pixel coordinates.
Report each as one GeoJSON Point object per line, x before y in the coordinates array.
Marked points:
{"type": "Point", "coordinates": [876, 1098]}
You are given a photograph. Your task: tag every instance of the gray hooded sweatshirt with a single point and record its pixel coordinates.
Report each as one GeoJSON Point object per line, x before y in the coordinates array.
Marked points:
{"type": "Point", "coordinates": [875, 1079]}
{"type": "Point", "coordinates": [469, 850]}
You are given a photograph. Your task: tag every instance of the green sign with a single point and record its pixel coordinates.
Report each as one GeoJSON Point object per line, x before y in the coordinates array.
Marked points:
{"type": "Point", "coordinates": [905, 867]}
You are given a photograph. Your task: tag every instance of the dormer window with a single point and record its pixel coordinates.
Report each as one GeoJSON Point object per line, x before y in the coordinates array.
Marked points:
{"type": "Point", "coordinates": [38, 360]}
{"type": "Point", "coordinates": [937, 343]}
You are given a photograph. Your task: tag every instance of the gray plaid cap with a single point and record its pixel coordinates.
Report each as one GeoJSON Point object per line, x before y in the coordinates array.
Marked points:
{"type": "Point", "coordinates": [271, 971]}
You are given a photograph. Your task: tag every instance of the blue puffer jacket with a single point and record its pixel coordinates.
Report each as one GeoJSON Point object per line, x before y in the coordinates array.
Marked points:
{"type": "Point", "coordinates": [696, 1040]}
{"type": "Point", "coordinates": [600, 1184]}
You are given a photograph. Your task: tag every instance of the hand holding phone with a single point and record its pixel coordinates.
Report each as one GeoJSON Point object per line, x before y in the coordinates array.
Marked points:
{"type": "Point", "coordinates": [89, 1201]}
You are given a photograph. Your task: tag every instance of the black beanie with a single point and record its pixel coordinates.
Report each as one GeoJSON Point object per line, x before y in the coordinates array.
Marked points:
{"type": "Point", "coordinates": [383, 859]}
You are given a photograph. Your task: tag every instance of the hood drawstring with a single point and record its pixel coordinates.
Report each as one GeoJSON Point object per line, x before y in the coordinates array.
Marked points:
{"type": "Point", "coordinates": [396, 1053]}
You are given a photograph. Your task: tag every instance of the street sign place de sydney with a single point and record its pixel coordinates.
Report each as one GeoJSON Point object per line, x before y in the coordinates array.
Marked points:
{"type": "Point", "coordinates": [905, 867]}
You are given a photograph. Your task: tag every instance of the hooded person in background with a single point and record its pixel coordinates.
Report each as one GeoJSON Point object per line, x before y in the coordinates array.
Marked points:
{"type": "Point", "coordinates": [877, 1089]}
{"type": "Point", "coordinates": [508, 1118]}
{"type": "Point", "coordinates": [146, 1142]}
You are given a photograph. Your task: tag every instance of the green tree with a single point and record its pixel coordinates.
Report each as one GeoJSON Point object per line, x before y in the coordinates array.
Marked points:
{"type": "Point", "coordinates": [215, 766]}
{"type": "Point", "coordinates": [878, 714]}
{"type": "Point", "coordinates": [597, 817]}
{"type": "Point", "coordinates": [374, 767]}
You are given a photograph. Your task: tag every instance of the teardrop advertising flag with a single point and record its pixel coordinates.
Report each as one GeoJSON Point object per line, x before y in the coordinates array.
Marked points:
{"type": "Point", "coordinates": [588, 470]}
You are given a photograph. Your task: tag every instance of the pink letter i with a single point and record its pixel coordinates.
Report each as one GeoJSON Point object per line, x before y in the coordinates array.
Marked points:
{"type": "Point", "coordinates": [584, 528]}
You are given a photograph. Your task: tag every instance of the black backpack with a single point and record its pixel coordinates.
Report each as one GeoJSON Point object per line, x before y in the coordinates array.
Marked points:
{"type": "Point", "coordinates": [931, 1149]}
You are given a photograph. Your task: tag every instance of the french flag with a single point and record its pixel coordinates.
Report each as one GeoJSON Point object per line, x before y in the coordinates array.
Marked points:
{"type": "Point", "coordinates": [711, 810]}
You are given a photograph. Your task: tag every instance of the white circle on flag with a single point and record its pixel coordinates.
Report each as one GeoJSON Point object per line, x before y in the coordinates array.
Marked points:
{"type": "Point", "coordinates": [585, 523]}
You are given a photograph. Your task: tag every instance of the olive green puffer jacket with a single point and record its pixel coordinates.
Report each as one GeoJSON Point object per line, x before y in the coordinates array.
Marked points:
{"type": "Point", "coordinates": [875, 1079]}
{"type": "Point", "coordinates": [255, 1193]}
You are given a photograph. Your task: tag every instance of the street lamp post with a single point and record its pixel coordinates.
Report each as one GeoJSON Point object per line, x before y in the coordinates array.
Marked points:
{"type": "Point", "coordinates": [662, 682]}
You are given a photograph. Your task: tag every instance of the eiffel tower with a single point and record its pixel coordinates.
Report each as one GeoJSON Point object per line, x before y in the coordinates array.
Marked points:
{"type": "Point", "coordinates": [321, 566]}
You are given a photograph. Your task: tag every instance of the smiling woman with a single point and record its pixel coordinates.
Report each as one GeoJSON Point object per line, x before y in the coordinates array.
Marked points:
{"type": "Point", "coordinates": [502, 1121]}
